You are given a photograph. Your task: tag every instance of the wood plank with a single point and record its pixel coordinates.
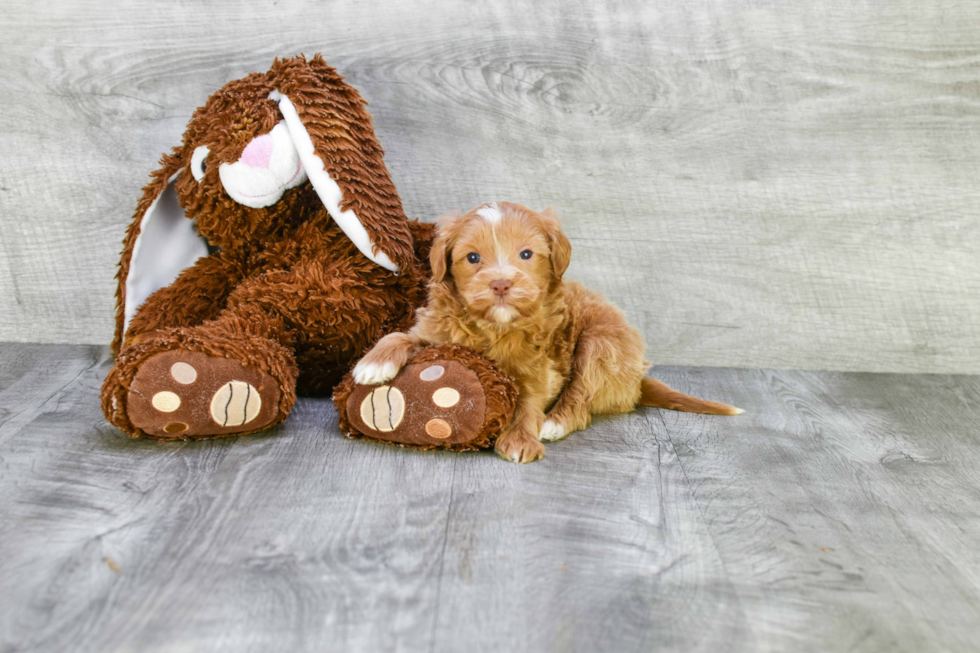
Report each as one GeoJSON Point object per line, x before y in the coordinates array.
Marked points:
{"type": "Point", "coordinates": [299, 540]}
{"type": "Point", "coordinates": [844, 506]}
{"type": "Point", "coordinates": [17, 360]}
{"type": "Point", "coordinates": [600, 547]}
{"type": "Point", "coordinates": [759, 185]}
{"type": "Point", "coordinates": [303, 540]}
{"type": "Point", "coordinates": [839, 513]}
{"type": "Point", "coordinates": [33, 375]}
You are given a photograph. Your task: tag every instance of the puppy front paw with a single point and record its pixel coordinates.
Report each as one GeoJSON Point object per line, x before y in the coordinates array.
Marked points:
{"type": "Point", "coordinates": [551, 431]}
{"type": "Point", "coordinates": [373, 373]}
{"type": "Point", "coordinates": [519, 447]}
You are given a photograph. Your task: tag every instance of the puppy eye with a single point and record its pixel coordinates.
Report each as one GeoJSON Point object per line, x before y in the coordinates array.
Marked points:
{"type": "Point", "coordinates": [526, 254]}
{"type": "Point", "coordinates": [473, 257]}
{"type": "Point", "coordinates": [199, 163]}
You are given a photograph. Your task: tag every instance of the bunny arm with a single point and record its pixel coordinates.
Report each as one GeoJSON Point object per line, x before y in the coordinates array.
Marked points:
{"type": "Point", "coordinates": [197, 295]}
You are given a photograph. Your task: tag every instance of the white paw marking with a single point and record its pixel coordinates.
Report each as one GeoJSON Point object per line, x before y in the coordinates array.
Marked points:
{"type": "Point", "coordinates": [551, 431]}
{"type": "Point", "coordinates": [166, 402]}
{"type": "Point", "coordinates": [373, 373]}
{"type": "Point", "coordinates": [509, 456]}
{"type": "Point", "coordinates": [364, 372]}
{"type": "Point", "coordinates": [183, 373]}
{"type": "Point", "coordinates": [445, 397]}
{"type": "Point", "coordinates": [235, 403]}
{"type": "Point", "coordinates": [432, 373]}
{"type": "Point", "coordinates": [389, 371]}
{"type": "Point", "coordinates": [490, 213]}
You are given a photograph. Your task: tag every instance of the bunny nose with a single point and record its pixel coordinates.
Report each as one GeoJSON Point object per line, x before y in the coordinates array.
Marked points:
{"type": "Point", "coordinates": [258, 153]}
{"type": "Point", "coordinates": [500, 286]}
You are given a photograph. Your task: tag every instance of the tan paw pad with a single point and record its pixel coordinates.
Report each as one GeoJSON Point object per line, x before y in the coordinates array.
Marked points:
{"type": "Point", "coordinates": [183, 373]}
{"type": "Point", "coordinates": [445, 397]}
{"type": "Point", "coordinates": [235, 403]}
{"type": "Point", "coordinates": [181, 394]}
{"type": "Point", "coordinates": [432, 372]}
{"type": "Point", "coordinates": [383, 409]}
{"type": "Point", "coordinates": [166, 401]}
{"type": "Point", "coordinates": [438, 428]}
{"type": "Point", "coordinates": [175, 428]}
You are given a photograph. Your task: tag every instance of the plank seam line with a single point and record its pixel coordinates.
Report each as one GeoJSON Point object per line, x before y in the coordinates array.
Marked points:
{"type": "Point", "coordinates": [41, 405]}
{"type": "Point", "coordinates": [707, 525]}
{"type": "Point", "coordinates": [442, 558]}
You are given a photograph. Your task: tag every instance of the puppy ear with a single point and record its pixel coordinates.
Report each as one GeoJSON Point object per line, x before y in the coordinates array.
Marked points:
{"type": "Point", "coordinates": [161, 242]}
{"type": "Point", "coordinates": [334, 135]}
{"type": "Point", "coordinates": [442, 246]}
{"type": "Point", "coordinates": [561, 249]}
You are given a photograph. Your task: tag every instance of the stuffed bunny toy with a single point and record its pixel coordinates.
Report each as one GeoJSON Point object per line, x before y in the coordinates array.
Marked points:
{"type": "Point", "coordinates": [269, 252]}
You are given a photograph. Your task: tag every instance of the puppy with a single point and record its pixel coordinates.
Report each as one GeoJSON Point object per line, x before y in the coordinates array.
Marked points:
{"type": "Point", "coordinates": [497, 287]}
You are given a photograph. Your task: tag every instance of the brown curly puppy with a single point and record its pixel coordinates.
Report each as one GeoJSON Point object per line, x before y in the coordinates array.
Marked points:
{"type": "Point", "coordinates": [497, 287]}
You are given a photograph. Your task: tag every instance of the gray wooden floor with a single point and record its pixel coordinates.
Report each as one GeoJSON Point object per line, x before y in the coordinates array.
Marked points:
{"type": "Point", "coordinates": [840, 513]}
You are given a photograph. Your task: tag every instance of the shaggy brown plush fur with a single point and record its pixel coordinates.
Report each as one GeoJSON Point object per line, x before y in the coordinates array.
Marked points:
{"type": "Point", "coordinates": [497, 287]}
{"type": "Point", "coordinates": [284, 293]}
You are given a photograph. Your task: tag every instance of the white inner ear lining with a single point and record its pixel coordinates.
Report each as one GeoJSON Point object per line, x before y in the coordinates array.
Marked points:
{"type": "Point", "coordinates": [167, 244]}
{"type": "Point", "coordinates": [326, 188]}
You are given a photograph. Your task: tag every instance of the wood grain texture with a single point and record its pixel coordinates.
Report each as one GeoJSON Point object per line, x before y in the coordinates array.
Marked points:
{"type": "Point", "coordinates": [841, 512]}
{"type": "Point", "coordinates": [845, 508]}
{"type": "Point", "coordinates": [601, 548]}
{"type": "Point", "coordinates": [769, 184]}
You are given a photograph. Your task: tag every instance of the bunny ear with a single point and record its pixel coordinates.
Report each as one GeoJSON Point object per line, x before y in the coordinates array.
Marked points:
{"type": "Point", "coordinates": [160, 244]}
{"type": "Point", "coordinates": [333, 134]}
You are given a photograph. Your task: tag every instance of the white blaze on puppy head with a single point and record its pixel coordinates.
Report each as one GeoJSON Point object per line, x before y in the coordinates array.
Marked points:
{"type": "Point", "coordinates": [490, 213]}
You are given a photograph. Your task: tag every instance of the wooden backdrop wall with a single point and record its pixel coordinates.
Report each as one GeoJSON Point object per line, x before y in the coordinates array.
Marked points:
{"type": "Point", "coordinates": [757, 183]}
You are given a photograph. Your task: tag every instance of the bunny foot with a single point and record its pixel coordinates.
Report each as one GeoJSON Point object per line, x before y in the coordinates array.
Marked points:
{"type": "Point", "coordinates": [445, 397]}
{"type": "Point", "coordinates": [187, 394]}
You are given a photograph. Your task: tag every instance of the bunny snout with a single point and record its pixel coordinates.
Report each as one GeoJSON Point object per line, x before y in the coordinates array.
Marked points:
{"type": "Point", "coordinates": [258, 152]}
{"type": "Point", "coordinates": [268, 166]}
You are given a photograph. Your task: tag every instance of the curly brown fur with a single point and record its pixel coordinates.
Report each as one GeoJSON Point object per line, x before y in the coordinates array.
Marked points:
{"type": "Point", "coordinates": [284, 288]}
{"type": "Point", "coordinates": [342, 132]}
{"type": "Point", "coordinates": [497, 287]}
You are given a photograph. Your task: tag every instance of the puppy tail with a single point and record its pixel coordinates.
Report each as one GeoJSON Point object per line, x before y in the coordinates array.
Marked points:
{"type": "Point", "coordinates": [658, 395]}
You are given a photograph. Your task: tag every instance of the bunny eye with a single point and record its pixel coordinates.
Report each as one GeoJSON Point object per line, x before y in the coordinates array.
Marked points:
{"type": "Point", "coordinates": [198, 162]}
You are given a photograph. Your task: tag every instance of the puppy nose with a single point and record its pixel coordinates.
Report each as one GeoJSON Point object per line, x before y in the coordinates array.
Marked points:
{"type": "Point", "coordinates": [258, 153]}
{"type": "Point", "coordinates": [500, 286]}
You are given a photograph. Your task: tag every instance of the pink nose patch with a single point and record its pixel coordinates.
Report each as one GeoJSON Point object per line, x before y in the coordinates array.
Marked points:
{"type": "Point", "coordinates": [258, 153]}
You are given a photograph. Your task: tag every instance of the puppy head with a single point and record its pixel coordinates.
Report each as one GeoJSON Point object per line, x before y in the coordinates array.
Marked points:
{"type": "Point", "coordinates": [500, 259]}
